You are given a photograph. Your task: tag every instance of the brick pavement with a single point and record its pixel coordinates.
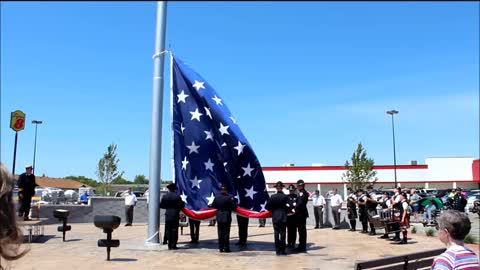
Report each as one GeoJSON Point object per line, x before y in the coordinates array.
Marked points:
{"type": "Point", "coordinates": [327, 249]}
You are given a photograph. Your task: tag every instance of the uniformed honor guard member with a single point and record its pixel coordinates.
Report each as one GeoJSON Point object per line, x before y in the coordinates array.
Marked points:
{"type": "Point", "coordinates": [172, 203]}
{"type": "Point", "coordinates": [224, 204]}
{"type": "Point", "coordinates": [371, 208]}
{"type": "Point", "coordinates": [279, 205]}
{"type": "Point", "coordinates": [362, 210]}
{"type": "Point", "coordinates": [301, 214]}
{"type": "Point", "coordinates": [352, 209]}
{"type": "Point", "coordinates": [26, 189]}
{"type": "Point", "coordinates": [291, 222]}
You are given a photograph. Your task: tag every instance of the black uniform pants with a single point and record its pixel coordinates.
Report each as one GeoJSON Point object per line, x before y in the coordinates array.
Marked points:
{"type": "Point", "coordinates": [318, 213]}
{"type": "Point", "coordinates": [242, 229]}
{"type": "Point", "coordinates": [364, 219]}
{"type": "Point", "coordinates": [279, 232]}
{"type": "Point", "coordinates": [302, 232]}
{"type": "Point", "coordinates": [223, 230]}
{"type": "Point", "coordinates": [262, 222]}
{"type": "Point", "coordinates": [24, 207]}
{"type": "Point", "coordinates": [194, 229]}
{"type": "Point", "coordinates": [292, 230]}
{"type": "Point", "coordinates": [129, 213]}
{"type": "Point", "coordinates": [171, 228]}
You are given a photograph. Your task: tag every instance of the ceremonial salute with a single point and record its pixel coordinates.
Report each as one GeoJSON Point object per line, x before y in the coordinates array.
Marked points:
{"type": "Point", "coordinates": [224, 204]}
{"type": "Point", "coordinates": [336, 202]}
{"type": "Point", "coordinates": [318, 205]}
{"type": "Point", "coordinates": [279, 205]}
{"type": "Point", "coordinates": [291, 222]}
{"type": "Point", "coordinates": [172, 203]}
{"type": "Point", "coordinates": [301, 214]}
{"type": "Point", "coordinates": [352, 209]}
{"type": "Point", "coordinates": [26, 189]}
{"type": "Point", "coordinates": [362, 210]}
{"type": "Point", "coordinates": [371, 208]}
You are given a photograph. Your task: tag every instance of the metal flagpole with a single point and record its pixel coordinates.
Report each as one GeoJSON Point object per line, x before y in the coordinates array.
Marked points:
{"type": "Point", "coordinates": [156, 132]}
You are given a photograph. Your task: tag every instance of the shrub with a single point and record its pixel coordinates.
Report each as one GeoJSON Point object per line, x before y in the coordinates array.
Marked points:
{"type": "Point", "coordinates": [470, 239]}
{"type": "Point", "coordinates": [430, 232]}
{"type": "Point", "coordinates": [414, 229]}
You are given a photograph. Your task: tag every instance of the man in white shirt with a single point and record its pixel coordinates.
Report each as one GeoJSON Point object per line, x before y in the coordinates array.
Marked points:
{"type": "Point", "coordinates": [318, 204]}
{"type": "Point", "coordinates": [336, 202]}
{"type": "Point", "coordinates": [130, 202]}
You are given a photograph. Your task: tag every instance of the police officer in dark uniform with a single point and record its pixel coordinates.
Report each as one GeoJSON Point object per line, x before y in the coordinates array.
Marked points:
{"type": "Point", "coordinates": [371, 208]}
{"type": "Point", "coordinates": [26, 189]}
{"type": "Point", "coordinates": [224, 204]}
{"type": "Point", "coordinates": [301, 214]}
{"type": "Point", "coordinates": [172, 203]}
{"type": "Point", "coordinates": [242, 230]}
{"type": "Point", "coordinates": [362, 210]}
{"type": "Point", "coordinates": [459, 202]}
{"type": "Point", "coordinates": [291, 222]}
{"type": "Point", "coordinates": [279, 206]}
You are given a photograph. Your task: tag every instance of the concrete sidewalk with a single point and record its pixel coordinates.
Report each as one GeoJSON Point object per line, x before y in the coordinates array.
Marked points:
{"type": "Point", "coordinates": [327, 249]}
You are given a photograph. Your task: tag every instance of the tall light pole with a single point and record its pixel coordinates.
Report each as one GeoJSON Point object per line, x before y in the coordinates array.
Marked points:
{"type": "Point", "coordinates": [36, 122]}
{"type": "Point", "coordinates": [393, 112]}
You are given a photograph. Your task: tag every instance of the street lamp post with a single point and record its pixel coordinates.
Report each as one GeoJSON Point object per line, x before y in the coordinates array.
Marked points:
{"type": "Point", "coordinates": [393, 112]}
{"type": "Point", "coordinates": [36, 122]}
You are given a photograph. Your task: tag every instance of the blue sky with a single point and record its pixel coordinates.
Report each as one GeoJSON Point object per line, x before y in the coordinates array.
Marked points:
{"type": "Point", "coordinates": [305, 81]}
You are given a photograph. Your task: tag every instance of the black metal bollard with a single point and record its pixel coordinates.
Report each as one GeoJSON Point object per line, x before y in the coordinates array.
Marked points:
{"type": "Point", "coordinates": [62, 216]}
{"type": "Point", "coordinates": [108, 224]}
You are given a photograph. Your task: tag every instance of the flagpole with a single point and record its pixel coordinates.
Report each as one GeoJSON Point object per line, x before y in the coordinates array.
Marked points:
{"type": "Point", "coordinates": [156, 132]}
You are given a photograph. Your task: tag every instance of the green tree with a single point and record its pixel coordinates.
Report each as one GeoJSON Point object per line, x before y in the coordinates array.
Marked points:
{"type": "Point", "coordinates": [83, 179]}
{"type": "Point", "coordinates": [107, 168]}
{"type": "Point", "coordinates": [119, 180]}
{"type": "Point", "coordinates": [360, 171]}
{"type": "Point", "coordinates": [140, 179]}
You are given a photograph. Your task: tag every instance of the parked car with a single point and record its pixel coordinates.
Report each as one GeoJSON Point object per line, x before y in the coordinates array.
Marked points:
{"type": "Point", "coordinates": [471, 199]}
{"type": "Point", "coordinates": [137, 193]}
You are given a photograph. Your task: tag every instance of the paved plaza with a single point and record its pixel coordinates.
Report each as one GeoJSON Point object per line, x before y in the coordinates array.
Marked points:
{"type": "Point", "coordinates": [327, 249]}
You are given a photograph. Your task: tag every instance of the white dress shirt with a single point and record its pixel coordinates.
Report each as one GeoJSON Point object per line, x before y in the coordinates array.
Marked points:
{"type": "Point", "coordinates": [130, 199]}
{"type": "Point", "coordinates": [318, 200]}
{"type": "Point", "coordinates": [336, 200]}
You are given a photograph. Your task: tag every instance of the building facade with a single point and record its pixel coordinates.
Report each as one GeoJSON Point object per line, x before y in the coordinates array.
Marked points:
{"type": "Point", "coordinates": [437, 172]}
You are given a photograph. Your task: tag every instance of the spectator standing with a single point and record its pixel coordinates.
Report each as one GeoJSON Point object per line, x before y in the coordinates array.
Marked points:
{"type": "Point", "coordinates": [130, 202]}
{"type": "Point", "coordinates": [336, 202]}
{"type": "Point", "coordinates": [318, 202]}
{"type": "Point", "coordinates": [453, 227]}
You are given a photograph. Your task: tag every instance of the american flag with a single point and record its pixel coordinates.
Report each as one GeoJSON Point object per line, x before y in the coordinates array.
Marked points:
{"type": "Point", "coordinates": [209, 149]}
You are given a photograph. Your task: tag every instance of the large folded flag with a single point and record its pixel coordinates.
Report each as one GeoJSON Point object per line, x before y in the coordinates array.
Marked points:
{"type": "Point", "coordinates": [209, 149]}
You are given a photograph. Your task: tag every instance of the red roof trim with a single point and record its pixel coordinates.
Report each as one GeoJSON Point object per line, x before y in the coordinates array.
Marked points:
{"type": "Point", "coordinates": [341, 168]}
{"type": "Point", "coordinates": [385, 182]}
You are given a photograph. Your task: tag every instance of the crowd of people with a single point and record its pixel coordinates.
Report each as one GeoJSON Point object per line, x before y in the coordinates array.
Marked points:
{"type": "Point", "coordinates": [289, 216]}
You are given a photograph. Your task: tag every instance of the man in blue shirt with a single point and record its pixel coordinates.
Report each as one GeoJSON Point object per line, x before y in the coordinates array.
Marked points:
{"type": "Point", "coordinates": [84, 198]}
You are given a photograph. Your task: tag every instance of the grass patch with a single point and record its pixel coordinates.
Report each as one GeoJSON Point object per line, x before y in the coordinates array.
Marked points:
{"type": "Point", "coordinates": [430, 232]}
{"type": "Point", "coordinates": [470, 239]}
{"type": "Point", "coordinates": [414, 229]}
